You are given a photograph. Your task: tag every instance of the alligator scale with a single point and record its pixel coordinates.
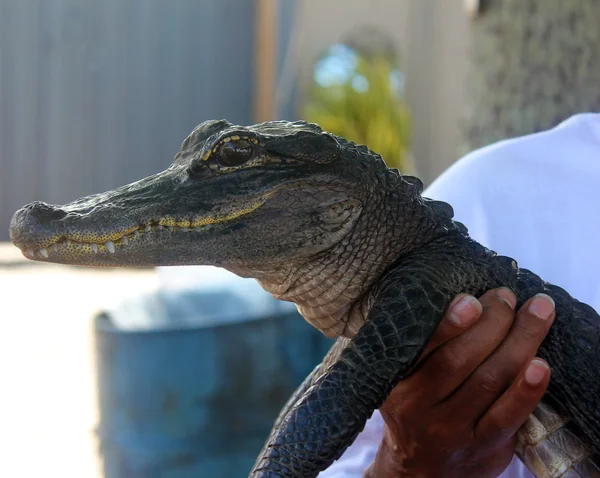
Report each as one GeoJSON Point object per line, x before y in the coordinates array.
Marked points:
{"type": "Point", "coordinates": [323, 222]}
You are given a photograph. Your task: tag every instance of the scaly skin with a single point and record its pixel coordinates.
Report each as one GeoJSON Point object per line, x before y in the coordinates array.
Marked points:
{"type": "Point", "coordinates": [322, 222]}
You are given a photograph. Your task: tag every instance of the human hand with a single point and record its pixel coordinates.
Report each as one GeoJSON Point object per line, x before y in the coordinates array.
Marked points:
{"type": "Point", "coordinates": [458, 413]}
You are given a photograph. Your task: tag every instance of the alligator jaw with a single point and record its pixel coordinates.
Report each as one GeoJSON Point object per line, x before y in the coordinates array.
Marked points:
{"type": "Point", "coordinates": [63, 248]}
{"type": "Point", "coordinates": [73, 241]}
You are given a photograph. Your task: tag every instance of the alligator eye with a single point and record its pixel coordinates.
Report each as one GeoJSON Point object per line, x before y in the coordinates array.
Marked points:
{"type": "Point", "coordinates": [235, 152]}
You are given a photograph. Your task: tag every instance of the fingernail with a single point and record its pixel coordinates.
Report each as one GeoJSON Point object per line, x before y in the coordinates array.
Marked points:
{"type": "Point", "coordinates": [541, 306]}
{"type": "Point", "coordinates": [536, 372]}
{"type": "Point", "coordinates": [507, 296]}
{"type": "Point", "coordinates": [465, 310]}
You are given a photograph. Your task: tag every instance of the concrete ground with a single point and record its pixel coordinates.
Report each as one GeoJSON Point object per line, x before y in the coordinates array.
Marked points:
{"type": "Point", "coordinates": [48, 410]}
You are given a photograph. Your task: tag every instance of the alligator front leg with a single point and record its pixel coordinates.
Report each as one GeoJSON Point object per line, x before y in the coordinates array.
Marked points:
{"type": "Point", "coordinates": [331, 413]}
{"type": "Point", "coordinates": [332, 356]}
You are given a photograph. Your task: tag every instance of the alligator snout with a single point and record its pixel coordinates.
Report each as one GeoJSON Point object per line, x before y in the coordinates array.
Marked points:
{"type": "Point", "coordinates": [35, 225]}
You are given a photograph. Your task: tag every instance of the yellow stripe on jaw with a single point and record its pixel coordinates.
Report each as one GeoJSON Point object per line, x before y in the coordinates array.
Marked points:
{"type": "Point", "coordinates": [205, 221]}
{"type": "Point", "coordinates": [85, 240]}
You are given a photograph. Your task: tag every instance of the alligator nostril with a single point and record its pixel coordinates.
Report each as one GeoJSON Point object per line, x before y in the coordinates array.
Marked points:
{"type": "Point", "coordinates": [46, 212]}
{"type": "Point", "coordinates": [28, 227]}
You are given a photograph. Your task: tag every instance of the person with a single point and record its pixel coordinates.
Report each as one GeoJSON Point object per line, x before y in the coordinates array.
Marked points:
{"type": "Point", "coordinates": [535, 199]}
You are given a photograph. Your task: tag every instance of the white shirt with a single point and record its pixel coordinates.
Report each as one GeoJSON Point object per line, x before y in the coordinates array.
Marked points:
{"type": "Point", "coordinates": [535, 199]}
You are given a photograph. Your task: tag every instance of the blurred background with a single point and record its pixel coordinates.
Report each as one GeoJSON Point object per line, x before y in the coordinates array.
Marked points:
{"type": "Point", "coordinates": [180, 372]}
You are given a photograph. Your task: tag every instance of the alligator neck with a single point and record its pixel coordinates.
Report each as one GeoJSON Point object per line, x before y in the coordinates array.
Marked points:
{"type": "Point", "coordinates": [331, 291]}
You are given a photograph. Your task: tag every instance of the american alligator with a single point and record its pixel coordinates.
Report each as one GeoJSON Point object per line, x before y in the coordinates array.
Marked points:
{"type": "Point", "coordinates": [323, 222]}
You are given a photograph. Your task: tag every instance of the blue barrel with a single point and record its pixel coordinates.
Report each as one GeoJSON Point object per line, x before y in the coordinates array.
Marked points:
{"type": "Point", "coordinates": [185, 395]}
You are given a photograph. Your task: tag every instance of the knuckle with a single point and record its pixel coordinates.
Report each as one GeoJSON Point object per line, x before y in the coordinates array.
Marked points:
{"type": "Point", "coordinates": [501, 422]}
{"type": "Point", "coordinates": [440, 336]}
{"type": "Point", "coordinates": [441, 433]}
{"type": "Point", "coordinates": [451, 360]}
{"type": "Point", "coordinates": [489, 381]}
{"type": "Point", "coordinates": [532, 330]}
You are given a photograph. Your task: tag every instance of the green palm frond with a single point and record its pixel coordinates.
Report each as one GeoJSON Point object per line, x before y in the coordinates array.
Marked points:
{"type": "Point", "coordinates": [364, 105]}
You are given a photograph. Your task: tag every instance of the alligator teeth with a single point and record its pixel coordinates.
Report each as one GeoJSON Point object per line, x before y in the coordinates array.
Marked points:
{"type": "Point", "coordinates": [148, 228]}
{"type": "Point", "coordinates": [54, 248]}
{"type": "Point", "coordinates": [29, 252]}
{"type": "Point", "coordinates": [44, 252]}
{"type": "Point", "coordinates": [171, 228]}
{"type": "Point", "coordinates": [124, 240]}
{"type": "Point", "coordinates": [68, 243]}
{"type": "Point", "coordinates": [159, 227]}
{"type": "Point", "coordinates": [110, 245]}
{"type": "Point", "coordinates": [94, 247]}
{"type": "Point", "coordinates": [198, 229]}
{"type": "Point", "coordinates": [136, 233]}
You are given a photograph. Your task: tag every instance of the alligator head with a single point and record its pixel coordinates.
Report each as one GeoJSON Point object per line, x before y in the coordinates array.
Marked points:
{"type": "Point", "coordinates": [233, 196]}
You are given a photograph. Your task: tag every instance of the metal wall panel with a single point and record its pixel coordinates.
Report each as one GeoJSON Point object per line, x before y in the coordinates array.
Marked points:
{"type": "Point", "coordinates": [97, 93]}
